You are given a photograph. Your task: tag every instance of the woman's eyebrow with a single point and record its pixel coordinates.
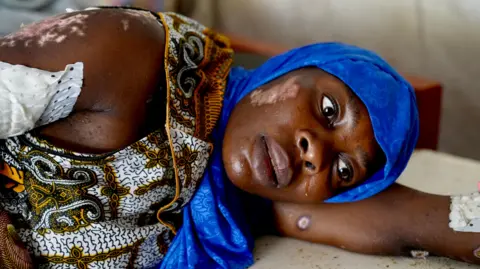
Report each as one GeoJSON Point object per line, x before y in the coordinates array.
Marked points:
{"type": "Point", "coordinates": [354, 108]}
{"type": "Point", "coordinates": [363, 158]}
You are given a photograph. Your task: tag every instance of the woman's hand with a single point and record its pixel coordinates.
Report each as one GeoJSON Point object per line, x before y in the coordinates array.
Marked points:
{"type": "Point", "coordinates": [393, 222]}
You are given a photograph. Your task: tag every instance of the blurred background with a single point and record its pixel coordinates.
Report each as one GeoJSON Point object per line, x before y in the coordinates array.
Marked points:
{"type": "Point", "coordinates": [436, 39]}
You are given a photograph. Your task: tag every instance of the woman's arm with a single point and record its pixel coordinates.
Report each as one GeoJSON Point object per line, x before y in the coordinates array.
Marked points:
{"type": "Point", "coordinates": [123, 54]}
{"type": "Point", "coordinates": [391, 223]}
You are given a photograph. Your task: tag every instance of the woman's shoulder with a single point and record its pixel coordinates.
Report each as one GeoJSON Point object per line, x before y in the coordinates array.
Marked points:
{"type": "Point", "coordinates": [68, 36]}
{"type": "Point", "coordinates": [122, 51]}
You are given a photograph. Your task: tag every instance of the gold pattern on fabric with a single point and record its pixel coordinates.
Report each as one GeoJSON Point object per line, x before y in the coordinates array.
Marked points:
{"type": "Point", "coordinates": [61, 203]}
{"type": "Point", "coordinates": [113, 190]}
{"type": "Point", "coordinates": [158, 157]}
{"type": "Point", "coordinates": [197, 62]}
{"type": "Point", "coordinates": [82, 260]}
{"type": "Point", "coordinates": [14, 175]}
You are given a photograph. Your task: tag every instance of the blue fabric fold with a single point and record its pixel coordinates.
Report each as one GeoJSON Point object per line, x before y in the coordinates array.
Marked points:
{"type": "Point", "coordinates": [215, 231]}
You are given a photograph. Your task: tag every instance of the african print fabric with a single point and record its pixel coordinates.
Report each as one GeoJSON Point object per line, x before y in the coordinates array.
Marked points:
{"type": "Point", "coordinates": [118, 210]}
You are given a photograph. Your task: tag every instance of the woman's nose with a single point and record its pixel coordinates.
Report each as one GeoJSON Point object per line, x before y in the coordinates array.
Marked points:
{"type": "Point", "coordinates": [314, 152]}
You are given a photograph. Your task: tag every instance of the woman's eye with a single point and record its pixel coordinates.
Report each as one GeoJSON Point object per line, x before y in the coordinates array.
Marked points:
{"type": "Point", "coordinates": [344, 171]}
{"type": "Point", "coordinates": [329, 109]}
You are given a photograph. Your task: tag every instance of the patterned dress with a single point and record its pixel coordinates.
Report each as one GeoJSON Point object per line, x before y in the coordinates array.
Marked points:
{"type": "Point", "coordinates": [117, 210]}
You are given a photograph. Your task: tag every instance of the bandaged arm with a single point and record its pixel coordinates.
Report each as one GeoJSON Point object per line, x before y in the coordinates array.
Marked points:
{"type": "Point", "coordinates": [394, 222]}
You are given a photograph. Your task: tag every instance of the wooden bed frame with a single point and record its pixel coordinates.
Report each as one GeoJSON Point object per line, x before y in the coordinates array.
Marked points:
{"type": "Point", "coordinates": [428, 92]}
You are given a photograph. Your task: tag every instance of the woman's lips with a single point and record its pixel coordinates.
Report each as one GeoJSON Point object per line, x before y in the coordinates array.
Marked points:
{"type": "Point", "coordinates": [271, 165]}
{"type": "Point", "coordinates": [280, 162]}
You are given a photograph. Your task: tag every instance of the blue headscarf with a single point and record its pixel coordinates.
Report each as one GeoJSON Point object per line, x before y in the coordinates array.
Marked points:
{"type": "Point", "coordinates": [215, 232]}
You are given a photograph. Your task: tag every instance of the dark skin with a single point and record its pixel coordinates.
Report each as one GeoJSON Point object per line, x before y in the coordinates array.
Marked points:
{"type": "Point", "coordinates": [112, 112]}
{"type": "Point", "coordinates": [114, 98]}
{"type": "Point", "coordinates": [324, 129]}
{"type": "Point", "coordinates": [393, 222]}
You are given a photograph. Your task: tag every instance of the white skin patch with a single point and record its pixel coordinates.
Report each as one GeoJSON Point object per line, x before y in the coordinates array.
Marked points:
{"type": "Point", "coordinates": [60, 39]}
{"type": "Point", "coordinates": [125, 25]}
{"type": "Point", "coordinates": [8, 43]}
{"type": "Point", "coordinates": [303, 222]}
{"type": "Point", "coordinates": [278, 93]}
{"type": "Point", "coordinates": [419, 254]}
{"type": "Point", "coordinates": [51, 30]}
{"type": "Point", "coordinates": [476, 252]}
{"type": "Point", "coordinates": [143, 16]}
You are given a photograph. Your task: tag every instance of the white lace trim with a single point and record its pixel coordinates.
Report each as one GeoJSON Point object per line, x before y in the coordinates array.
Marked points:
{"type": "Point", "coordinates": [32, 97]}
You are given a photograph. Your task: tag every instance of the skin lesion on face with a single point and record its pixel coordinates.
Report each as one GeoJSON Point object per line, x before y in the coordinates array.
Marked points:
{"type": "Point", "coordinates": [277, 93]}
{"type": "Point", "coordinates": [307, 122]}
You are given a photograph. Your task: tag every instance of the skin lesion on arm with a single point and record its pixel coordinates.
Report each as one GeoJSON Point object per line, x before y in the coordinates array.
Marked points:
{"type": "Point", "coordinates": [53, 30]}
{"type": "Point", "coordinates": [336, 225]}
{"type": "Point", "coordinates": [122, 52]}
{"type": "Point", "coordinates": [395, 222]}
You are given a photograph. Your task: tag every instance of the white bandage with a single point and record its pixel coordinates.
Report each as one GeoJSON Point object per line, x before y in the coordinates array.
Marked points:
{"type": "Point", "coordinates": [419, 254]}
{"type": "Point", "coordinates": [465, 213]}
{"type": "Point", "coordinates": [31, 97]}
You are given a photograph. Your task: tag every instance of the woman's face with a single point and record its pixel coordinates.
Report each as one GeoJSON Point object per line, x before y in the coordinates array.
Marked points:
{"type": "Point", "coordinates": [301, 138]}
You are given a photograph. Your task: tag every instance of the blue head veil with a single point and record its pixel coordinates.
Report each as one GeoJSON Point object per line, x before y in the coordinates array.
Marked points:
{"type": "Point", "coordinates": [215, 233]}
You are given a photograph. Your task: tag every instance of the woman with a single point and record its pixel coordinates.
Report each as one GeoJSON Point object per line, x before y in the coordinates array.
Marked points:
{"type": "Point", "coordinates": [100, 182]}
